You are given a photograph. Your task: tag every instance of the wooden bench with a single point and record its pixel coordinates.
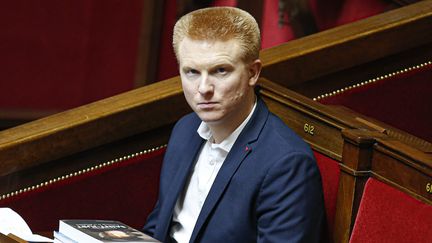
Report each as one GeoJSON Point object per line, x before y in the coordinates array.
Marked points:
{"type": "Point", "coordinates": [101, 160]}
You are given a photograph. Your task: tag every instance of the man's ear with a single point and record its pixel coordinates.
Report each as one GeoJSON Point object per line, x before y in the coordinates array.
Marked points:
{"type": "Point", "coordinates": [254, 71]}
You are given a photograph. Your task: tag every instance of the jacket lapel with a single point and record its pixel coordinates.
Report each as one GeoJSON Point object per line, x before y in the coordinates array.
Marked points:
{"type": "Point", "coordinates": [186, 159]}
{"type": "Point", "coordinates": [238, 153]}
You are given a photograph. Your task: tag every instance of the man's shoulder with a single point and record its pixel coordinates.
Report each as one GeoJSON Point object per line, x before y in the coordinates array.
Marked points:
{"type": "Point", "coordinates": [186, 126]}
{"type": "Point", "coordinates": [278, 132]}
{"type": "Point", "coordinates": [191, 121]}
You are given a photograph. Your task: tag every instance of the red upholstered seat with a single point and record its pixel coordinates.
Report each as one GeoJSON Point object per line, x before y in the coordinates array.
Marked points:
{"type": "Point", "coordinates": [389, 215]}
{"type": "Point", "coordinates": [329, 169]}
{"type": "Point", "coordinates": [125, 191]}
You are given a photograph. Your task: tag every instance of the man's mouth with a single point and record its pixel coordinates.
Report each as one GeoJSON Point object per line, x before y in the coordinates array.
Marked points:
{"type": "Point", "coordinates": [207, 105]}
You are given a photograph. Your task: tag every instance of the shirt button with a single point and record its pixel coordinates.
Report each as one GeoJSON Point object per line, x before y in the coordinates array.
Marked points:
{"type": "Point", "coordinates": [212, 162]}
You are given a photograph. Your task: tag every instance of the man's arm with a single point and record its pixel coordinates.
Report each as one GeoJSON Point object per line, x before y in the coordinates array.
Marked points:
{"type": "Point", "coordinates": [290, 207]}
{"type": "Point", "coordinates": [150, 226]}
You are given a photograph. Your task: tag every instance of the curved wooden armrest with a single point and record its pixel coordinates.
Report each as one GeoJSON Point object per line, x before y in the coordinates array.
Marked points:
{"type": "Point", "coordinates": [91, 125]}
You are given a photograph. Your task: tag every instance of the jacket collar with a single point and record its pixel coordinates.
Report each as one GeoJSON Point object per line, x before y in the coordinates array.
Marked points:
{"type": "Point", "coordinates": [187, 159]}
{"type": "Point", "coordinates": [205, 132]}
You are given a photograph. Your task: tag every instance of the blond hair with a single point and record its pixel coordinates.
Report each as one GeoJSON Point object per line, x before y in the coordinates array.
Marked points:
{"type": "Point", "coordinates": [220, 24]}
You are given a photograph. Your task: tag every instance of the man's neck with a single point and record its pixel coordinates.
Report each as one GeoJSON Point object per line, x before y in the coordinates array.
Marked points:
{"type": "Point", "coordinates": [220, 131]}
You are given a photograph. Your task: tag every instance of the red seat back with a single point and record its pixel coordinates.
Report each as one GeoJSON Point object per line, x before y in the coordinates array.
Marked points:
{"type": "Point", "coordinates": [389, 215]}
{"type": "Point", "coordinates": [329, 169]}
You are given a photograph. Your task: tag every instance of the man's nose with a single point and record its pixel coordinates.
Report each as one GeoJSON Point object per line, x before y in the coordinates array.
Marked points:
{"type": "Point", "coordinates": [205, 86]}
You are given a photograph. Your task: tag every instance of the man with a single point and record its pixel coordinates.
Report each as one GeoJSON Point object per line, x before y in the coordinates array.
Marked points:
{"type": "Point", "coordinates": [233, 172]}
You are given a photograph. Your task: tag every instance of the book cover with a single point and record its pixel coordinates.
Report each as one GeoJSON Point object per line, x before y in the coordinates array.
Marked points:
{"type": "Point", "coordinates": [61, 238]}
{"type": "Point", "coordinates": [101, 231]}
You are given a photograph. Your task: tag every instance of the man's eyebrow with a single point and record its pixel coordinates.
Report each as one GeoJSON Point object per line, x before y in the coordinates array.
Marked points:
{"type": "Point", "coordinates": [188, 66]}
{"type": "Point", "coordinates": [225, 66]}
{"type": "Point", "coordinates": [224, 63]}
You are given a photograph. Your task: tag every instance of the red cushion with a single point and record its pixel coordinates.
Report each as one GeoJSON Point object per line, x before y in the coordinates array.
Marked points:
{"type": "Point", "coordinates": [389, 215]}
{"type": "Point", "coordinates": [124, 191]}
{"type": "Point", "coordinates": [329, 169]}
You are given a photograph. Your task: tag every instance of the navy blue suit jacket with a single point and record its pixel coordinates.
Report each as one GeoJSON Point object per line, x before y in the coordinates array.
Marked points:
{"type": "Point", "coordinates": [267, 190]}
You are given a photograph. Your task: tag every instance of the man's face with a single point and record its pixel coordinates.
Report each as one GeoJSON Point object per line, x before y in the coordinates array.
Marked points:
{"type": "Point", "coordinates": [217, 84]}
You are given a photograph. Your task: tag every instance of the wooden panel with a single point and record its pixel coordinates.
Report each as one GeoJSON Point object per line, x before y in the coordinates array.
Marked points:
{"type": "Point", "coordinates": [369, 153]}
{"type": "Point", "coordinates": [356, 162]}
{"type": "Point", "coordinates": [320, 135]}
{"type": "Point", "coordinates": [91, 125]}
{"type": "Point", "coordinates": [319, 125]}
{"type": "Point", "coordinates": [404, 167]}
{"type": "Point", "coordinates": [349, 194]}
{"type": "Point", "coordinates": [47, 171]}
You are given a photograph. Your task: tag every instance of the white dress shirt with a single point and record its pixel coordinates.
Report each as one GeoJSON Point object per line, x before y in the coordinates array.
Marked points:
{"type": "Point", "coordinates": [207, 166]}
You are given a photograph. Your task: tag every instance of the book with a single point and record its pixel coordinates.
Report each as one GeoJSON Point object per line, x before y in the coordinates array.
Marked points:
{"type": "Point", "coordinates": [61, 238]}
{"type": "Point", "coordinates": [100, 231]}
{"type": "Point", "coordinates": [11, 223]}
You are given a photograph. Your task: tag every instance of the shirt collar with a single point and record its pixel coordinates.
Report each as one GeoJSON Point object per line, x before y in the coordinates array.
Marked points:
{"type": "Point", "coordinates": [226, 145]}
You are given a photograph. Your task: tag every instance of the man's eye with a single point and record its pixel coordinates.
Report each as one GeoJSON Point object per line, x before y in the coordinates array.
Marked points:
{"type": "Point", "coordinates": [221, 70]}
{"type": "Point", "coordinates": [191, 72]}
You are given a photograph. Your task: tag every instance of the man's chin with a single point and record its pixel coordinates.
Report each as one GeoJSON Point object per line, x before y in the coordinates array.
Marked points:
{"type": "Point", "coordinates": [209, 119]}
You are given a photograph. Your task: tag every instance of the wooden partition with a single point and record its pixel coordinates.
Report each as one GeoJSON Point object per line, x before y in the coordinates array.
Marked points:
{"type": "Point", "coordinates": [318, 124]}
{"type": "Point", "coordinates": [369, 154]}
{"type": "Point", "coordinates": [404, 167]}
{"type": "Point", "coordinates": [67, 142]}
